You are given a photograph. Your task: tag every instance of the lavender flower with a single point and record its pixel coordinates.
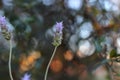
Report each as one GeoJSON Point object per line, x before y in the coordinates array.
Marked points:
{"type": "Point", "coordinates": [59, 27]}
{"type": "Point", "coordinates": [4, 28]}
{"type": "Point", "coordinates": [26, 77]}
{"type": "Point", "coordinates": [2, 22]}
{"type": "Point", "coordinates": [58, 34]}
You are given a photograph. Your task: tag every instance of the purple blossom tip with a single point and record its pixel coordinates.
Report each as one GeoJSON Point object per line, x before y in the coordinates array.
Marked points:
{"type": "Point", "coordinates": [59, 27]}
{"type": "Point", "coordinates": [2, 21]}
{"type": "Point", "coordinates": [26, 77]}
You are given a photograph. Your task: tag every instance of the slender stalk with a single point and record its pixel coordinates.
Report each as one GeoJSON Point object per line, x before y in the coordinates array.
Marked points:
{"type": "Point", "coordinates": [9, 63]}
{"type": "Point", "coordinates": [45, 77]}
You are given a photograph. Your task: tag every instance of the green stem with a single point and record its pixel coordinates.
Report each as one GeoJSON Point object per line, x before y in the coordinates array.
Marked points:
{"type": "Point", "coordinates": [9, 63]}
{"type": "Point", "coordinates": [45, 77]}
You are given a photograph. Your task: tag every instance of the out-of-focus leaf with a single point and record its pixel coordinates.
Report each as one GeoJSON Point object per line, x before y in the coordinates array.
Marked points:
{"type": "Point", "coordinates": [95, 11]}
{"type": "Point", "coordinates": [118, 74]}
{"type": "Point", "coordinates": [28, 30]}
{"type": "Point", "coordinates": [101, 39]}
{"type": "Point", "coordinates": [113, 53]}
{"type": "Point", "coordinates": [98, 47]}
{"type": "Point", "coordinates": [98, 43]}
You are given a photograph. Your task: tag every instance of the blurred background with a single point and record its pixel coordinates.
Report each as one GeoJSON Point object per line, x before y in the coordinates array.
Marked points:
{"type": "Point", "coordinates": [90, 47]}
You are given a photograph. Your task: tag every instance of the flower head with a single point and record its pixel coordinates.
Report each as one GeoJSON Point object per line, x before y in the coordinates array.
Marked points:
{"type": "Point", "coordinates": [58, 34]}
{"type": "Point", "coordinates": [26, 77]}
{"type": "Point", "coordinates": [4, 28]}
{"type": "Point", "coordinates": [59, 27]}
{"type": "Point", "coordinates": [2, 22]}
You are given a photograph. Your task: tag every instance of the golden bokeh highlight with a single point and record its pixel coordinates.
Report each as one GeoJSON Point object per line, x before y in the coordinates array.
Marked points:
{"type": "Point", "coordinates": [28, 62]}
{"type": "Point", "coordinates": [56, 65]}
{"type": "Point", "coordinates": [68, 55]}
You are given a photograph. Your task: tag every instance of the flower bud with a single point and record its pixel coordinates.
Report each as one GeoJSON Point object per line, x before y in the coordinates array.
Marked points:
{"type": "Point", "coordinates": [58, 34]}
{"type": "Point", "coordinates": [4, 28]}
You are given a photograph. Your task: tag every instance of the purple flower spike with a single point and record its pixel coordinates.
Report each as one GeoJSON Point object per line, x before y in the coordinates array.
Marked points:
{"type": "Point", "coordinates": [58, 34]}
{"type": "Point", "coordinates": [2, 22]}
{"type": "Point", "coordinates": [26, 77]}
{"type": "Point", "coordinates": [59, 27]}
{"type": "Point", "coordinates": [4, 28]}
